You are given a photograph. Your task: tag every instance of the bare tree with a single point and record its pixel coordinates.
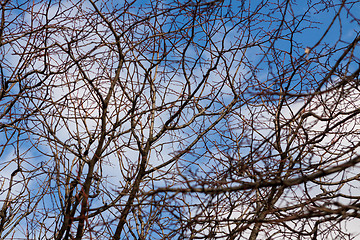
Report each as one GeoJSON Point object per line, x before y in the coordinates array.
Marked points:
{"type": "Point", "coordinates": [179, 119]}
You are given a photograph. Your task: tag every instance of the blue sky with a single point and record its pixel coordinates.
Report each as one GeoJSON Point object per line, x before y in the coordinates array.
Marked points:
{"type": "Point", "coordinates": [259, 62]}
